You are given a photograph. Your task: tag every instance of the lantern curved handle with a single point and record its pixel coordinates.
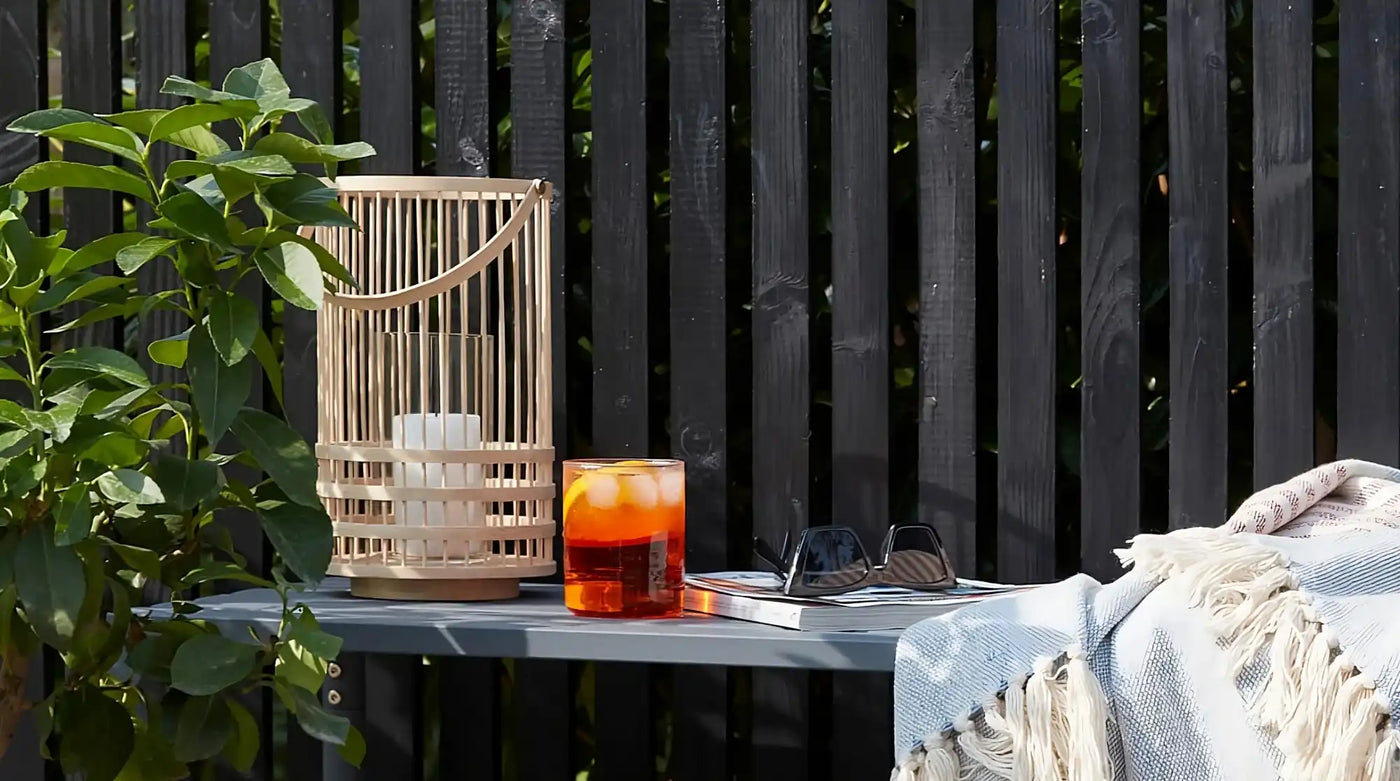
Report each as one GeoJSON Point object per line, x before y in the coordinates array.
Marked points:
{"type": "Point", "coordinates": [452, 277]}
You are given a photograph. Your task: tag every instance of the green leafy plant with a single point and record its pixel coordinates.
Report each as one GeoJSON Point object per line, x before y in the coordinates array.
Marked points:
{"type": "Point", "coordinates": [111, 484]}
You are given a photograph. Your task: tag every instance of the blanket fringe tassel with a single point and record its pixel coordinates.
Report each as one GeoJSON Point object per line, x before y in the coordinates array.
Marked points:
{"type": "Point", "coordinates": [1326, 717]}
{"type": "Point", "coordinates": [1048, 726]}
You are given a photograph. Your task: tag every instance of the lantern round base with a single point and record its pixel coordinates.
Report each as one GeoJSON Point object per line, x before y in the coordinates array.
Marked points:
{"type": "Point", "coordinates": [435, 590]}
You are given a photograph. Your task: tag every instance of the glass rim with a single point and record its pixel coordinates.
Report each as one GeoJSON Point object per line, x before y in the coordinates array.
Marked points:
{"type": "Point", "coordinates": [639, 463]}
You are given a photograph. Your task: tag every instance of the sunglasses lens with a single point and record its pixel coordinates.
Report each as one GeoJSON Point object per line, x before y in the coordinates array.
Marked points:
{"type": "Point", "coordinates": [915, 557]}
{"type": "Point", "coordinates": [831, 559]}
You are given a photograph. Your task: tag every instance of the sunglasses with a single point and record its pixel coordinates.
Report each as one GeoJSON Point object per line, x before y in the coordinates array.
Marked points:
{"type": "Point", "coordinates": [831, 560]}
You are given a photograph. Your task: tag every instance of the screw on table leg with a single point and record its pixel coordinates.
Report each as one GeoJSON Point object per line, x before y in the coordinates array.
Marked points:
{"type": "Point", "coordinates": [344, 696]}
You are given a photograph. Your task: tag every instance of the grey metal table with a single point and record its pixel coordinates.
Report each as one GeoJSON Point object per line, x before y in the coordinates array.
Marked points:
{"type": "Point", "coordinates": [537, 626]}
{"type": "Point", "coordinates": [533, 626]}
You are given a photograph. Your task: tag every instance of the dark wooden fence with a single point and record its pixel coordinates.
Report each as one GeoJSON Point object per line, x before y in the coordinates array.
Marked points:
{"type": "Point", "coordinates": [453, 719]}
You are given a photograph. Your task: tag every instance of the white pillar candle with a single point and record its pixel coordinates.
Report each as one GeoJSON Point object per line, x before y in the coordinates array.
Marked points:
{"type": "Point", "coordinates": [436, 431]}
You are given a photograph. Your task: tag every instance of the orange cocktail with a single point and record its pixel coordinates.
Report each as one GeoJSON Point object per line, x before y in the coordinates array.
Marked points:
{"type": "Point", "coordinates": [624, 537]}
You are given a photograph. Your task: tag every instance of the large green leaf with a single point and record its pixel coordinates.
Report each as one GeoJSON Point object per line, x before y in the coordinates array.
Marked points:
{"type": "Point", "coordinates": [64, 173]}
{"type": "Point", "coordinates": [313, 118]}
{"type": "Point", "coordinates": [233, 324]}
{"type": "Point", "coordinates": [271, 365]}
{"type": "Point", "coordinates": [126, 308]}
{"type": "Point", "coordinates": [302, 660]}
{"type": "Point", "coordinates": [262, 165]}
{"type": "Point", "coordinates": [219, 390]}
{"type": "Point", "coordinates": [127, 486]}
{"type": "Point", "coordinates": [200, 140]}
{"type": "Point", "coordinates": [104, 361]}
{"type": "Point", "coordinates": [300, 150]}
{"type": "Point", "coordinates": [140, 120]}
{"type": "Point", "coordinates": [199, 726]}
{"type": "Point", "coordinates": [328, 263]}
{"type": "Point", "coordinates": [190, 214]}
{"type": "Point", "coordinates": [51, 586]}
{"type": "Point", "coordinates": [99, 135]}
{"type": "Point", "coordinates": [82, 288]}
{"type": "Point", "coordinates": [260, 81]}
{"type": "Point", "coordinates": [293, 272]}
{"type": "Point", "coordinates": [305, 200]}
{"type": "Point", "coordinates": [281, 452]}
{"type": "Point", "coordinates": [183, 87]}
{"type": "Point", "coordinates": [73, 516]}
{"type": "Point", "coordinates": [171, 351]}
{"type": "Point", "coordinates": [242, 748]}
{"type": "Point", "coordinates": [188, 116]}
{"type": "Point", "coordinates": [131, 258]}
{"type": "Point", "coordinates": [301, 534]}
{"type": "Point", "coordinates": [96, 736]}
{"type": "Point", "coordinates": [100, 251]}
{"type": "Point", "coordinates": [210, 663]}
{"type": "Point", "coordinates": [48, 119]}
{"type": "Point", "coordinates": [153, 759]}
{"type": "Point", "coordinates": [185, 483]}
{"type": "Point", "coordinates": [224, 570]}
{"type": "Point", "coordinates": [317, 722]}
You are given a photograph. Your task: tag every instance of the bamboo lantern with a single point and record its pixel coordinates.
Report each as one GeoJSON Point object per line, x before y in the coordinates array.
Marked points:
{"type": "Point", "coordinates": [434, 444]}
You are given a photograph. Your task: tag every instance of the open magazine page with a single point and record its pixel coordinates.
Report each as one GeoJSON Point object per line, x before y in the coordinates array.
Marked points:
{"type": "Point", "coordinates": [767, 585]}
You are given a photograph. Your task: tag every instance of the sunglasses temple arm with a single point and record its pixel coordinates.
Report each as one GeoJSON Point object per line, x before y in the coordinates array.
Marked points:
{"type": "Point", "coordinates": [768, 556]}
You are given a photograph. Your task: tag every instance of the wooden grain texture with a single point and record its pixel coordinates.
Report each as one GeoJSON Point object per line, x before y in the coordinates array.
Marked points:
{"type": "Point", "coordinates": [1368, 233]}
{"type": "Point", "coordinates": [1196, 92]}
{"type": "Point", "coordinates": [23, 60]}
{"type": "Point", "coordinates": [699, 385]}
{"type": "Point", "coordinates": [621, 369]}
{"type": "Point", "coordinates": [1283, 240]}
{"type": "Point", "coordinates": [1111, 347]}
{"type": "Point", "coordinates": [947, 148]}
{"type": "Point", "coordinates": [466, 45]}
{"type": "Point", "coordinates": [311, 62]}
{"type": "Point", "coordinates": [538, 104]}
{"type": "Point", "coordinates": [164, 47]}
{"type": "Point", "coordinates": [781, 344]}
{"type": "Point", "coordinates": [470, 710]}
{"type": "Point", "coordinates": [389, 73]}
{"type": "Point", "coordinates": [860, 343]}
{"type": "Point", "coordinates": [1026, 73]}
{"type": "Point", "coordinates": [91, 75]}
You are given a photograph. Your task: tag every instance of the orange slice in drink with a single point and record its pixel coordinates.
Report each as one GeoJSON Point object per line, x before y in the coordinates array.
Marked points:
{"type": "Point", "coordinates": [602, 485]}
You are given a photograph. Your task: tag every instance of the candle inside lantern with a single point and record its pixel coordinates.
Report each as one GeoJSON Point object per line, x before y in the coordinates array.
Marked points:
{"type": "Point", "coordinates": [437, 431]}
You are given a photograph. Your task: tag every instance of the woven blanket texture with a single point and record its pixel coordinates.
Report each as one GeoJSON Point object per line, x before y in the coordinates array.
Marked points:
{"type": "Point", "coordinates": [1268, 647]}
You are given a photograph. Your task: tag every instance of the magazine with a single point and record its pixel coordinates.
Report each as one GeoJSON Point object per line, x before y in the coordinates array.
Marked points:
{"type": "Point", "coordinates": [758, 596]}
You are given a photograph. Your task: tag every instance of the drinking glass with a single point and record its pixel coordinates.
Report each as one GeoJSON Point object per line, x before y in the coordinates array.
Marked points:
{"type": "Point", "coordinates": [624, 537]}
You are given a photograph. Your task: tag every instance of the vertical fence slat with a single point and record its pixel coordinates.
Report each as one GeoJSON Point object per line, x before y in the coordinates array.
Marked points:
{"type": "Point", "coordinates": [781, 345]}
{"type": "Point", "coordinates": [163, 48]}
{"type": "Point", "coordinates": [699, 385]}
{"type": "Point", "coordinates": [1111, 346]}
{"type": "Point", "coordinates": [24, 61]}
{"type": "Point", "coordinates": [465, 44]}
{"type": "Point", "coordinates": [948, 277]}
{"type": "Point", "coordinates": [91, 76]}
{"type": "Point", "coordinates": [237, 36]}
{"type": "Point", "coordinates": [621, 369]}
{"type": "Point", "coordinates": [311, 62]}
{"type": "Point", "coordinates": [1368, 233]}
{"type": "Point", "coordinates": [1197, 191]}
{"type": "Point", "coordinates": [389, 122]}
{"type": "Point", "coordinates": [860, 361]}
{"type": "Point", "coordinates": [542, 695]}
{"type": "Point", "coordinates": [1026, 74]}
{"type": "Point", "coordinates": [1283, 240]}
{"type": "Point", "coordinates": [388, 75]}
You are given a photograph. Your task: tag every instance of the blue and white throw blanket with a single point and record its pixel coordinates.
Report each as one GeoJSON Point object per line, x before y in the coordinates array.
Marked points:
{"type": "Point", "coordinates": [1265, 648]}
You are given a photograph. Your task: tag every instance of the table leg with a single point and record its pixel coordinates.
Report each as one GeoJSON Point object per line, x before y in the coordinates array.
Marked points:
{"type": "Point", "coordinates": [344, 695]}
